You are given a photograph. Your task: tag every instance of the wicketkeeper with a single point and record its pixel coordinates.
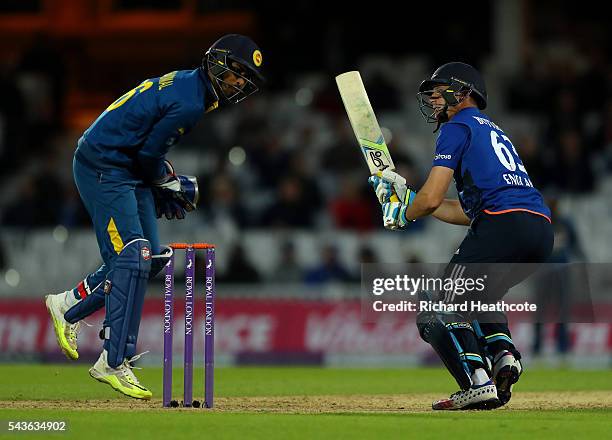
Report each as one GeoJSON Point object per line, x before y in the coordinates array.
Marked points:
{"type": "Point", "coordinates": [126, 184]}
{"type": "Point", "coordinates": [509, 227]}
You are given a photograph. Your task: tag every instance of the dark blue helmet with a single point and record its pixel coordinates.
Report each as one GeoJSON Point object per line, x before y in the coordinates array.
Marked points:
{"type": "Point", "coordinates": [463, 80]}
{"type": "Point", "coordinates": [240, 56]}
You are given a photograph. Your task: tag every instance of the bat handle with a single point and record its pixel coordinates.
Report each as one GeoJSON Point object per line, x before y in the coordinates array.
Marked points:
{"type": "Point", "coordinates": [393, 197]}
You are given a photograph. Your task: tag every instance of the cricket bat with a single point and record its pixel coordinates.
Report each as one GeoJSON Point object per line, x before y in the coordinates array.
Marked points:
{"type": "Point", "coordinates": [364, 123]}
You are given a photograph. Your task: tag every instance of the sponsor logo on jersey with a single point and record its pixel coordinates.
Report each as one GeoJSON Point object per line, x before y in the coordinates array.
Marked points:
{"type": "Point", "coordinates": [443, 156]}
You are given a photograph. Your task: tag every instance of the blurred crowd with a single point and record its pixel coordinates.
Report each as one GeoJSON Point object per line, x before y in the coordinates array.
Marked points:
{"type": "Point", "coordinates": [328, 269]}
{"type": "Point", "coordinates": [286, 161]}
{"type": "Point", "coordinates": [572, 90]}
{"type": "Point", "coordinates": [301, 179]}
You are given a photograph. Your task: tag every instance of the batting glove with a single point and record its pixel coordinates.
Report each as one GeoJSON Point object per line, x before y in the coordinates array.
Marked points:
{"type": "Point", "coordinates": [390, 183]}
{"type": "Point", "coordinates": [394, 214]}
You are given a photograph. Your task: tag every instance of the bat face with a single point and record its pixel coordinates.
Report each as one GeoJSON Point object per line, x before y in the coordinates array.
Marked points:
{"type": "Point", "coordinates": [376, 155]}
{"type": "Point", "coordinates": [364, 123]}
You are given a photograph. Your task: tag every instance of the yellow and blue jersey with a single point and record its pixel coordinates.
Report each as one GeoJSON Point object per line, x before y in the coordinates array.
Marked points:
{"type": "Point", "coordinates": [133, 135]}
{"type": "Point", "coordinates": [489, 174]}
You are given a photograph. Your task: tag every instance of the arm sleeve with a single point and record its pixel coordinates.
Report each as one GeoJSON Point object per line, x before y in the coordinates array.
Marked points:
{"type": "Point", "coordinates": [452, 142]}
{"type": "Point", "coordinates": [163, 135]}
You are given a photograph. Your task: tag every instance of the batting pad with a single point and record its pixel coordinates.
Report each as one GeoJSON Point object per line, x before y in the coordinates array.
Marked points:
{"type": "Point", "coordinates": [125, 290]}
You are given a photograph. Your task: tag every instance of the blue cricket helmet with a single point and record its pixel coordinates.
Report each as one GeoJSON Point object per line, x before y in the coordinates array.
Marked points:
{"type": "Point", "coordinates": [463, 75]}
{"type": "Point", "coordinates": [239, 55]}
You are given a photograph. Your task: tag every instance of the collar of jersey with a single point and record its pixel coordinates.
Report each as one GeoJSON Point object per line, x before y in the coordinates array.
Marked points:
{"type": "Point", "coordinates": [468, 110]}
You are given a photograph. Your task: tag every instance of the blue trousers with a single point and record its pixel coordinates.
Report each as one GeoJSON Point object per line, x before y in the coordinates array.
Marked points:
{"type": "Point", "coordinates": [121, 210]}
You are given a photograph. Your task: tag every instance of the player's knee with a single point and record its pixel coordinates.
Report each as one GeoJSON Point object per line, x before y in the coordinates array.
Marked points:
{"type": "Point", "coordinates": [431, 328]}
{"type": "Point", "coordinates": [135, 255]}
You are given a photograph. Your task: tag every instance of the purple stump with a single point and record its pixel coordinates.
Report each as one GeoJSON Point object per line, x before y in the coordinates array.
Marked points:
{"type": "Point", "coordinates": [209, 329]}
{"type": "Point", "coordinates": [168, 321]}
{"type": "Point", "coordinates": [189, 315]}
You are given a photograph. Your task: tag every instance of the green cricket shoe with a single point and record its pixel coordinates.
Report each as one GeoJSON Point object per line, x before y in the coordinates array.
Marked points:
{"type": "Point", "coordinates": [65, 333]}
{"type": "Point", "coordinates": [121, 378]}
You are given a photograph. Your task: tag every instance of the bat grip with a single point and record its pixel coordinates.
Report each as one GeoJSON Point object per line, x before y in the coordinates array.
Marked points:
{"type": "Point", "coordinates": [393, 197]}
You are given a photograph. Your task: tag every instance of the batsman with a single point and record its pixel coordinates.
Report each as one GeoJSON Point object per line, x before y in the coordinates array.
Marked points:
{"type": "Point", "coordinates": [509, 230]}
{"type": "Point", "coordinates": [126, 184]}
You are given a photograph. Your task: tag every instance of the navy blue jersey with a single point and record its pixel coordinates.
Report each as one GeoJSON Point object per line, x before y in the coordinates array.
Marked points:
{"type": "Point", "coordinates": [133, 135]}
{"type": "Point", "coordinates": [489, 174]}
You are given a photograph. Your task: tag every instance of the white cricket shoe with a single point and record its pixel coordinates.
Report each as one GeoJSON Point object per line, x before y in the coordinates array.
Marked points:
{"type": "Point", "coordinates": [121, 378]}
{"type": "Point", "coordinates": [506, 372]}
{"type": "Point", "coordinates": [476, 397]}
{"type": "Point", "coordinates": [65, 333]}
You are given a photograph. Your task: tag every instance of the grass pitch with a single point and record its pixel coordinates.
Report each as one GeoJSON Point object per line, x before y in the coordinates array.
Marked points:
{"type": "Point", "coordinates": [296, 403]}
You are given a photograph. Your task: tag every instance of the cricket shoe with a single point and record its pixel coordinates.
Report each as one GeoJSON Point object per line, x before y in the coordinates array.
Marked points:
{"type": "Point", "coordinates": [65, 333]}
{"type": "Point", "coordinates": [121, 378]}
{"type": "Point", "coordinates": [476, 397]}
{"type": "Point", "coordinates": [506, 372]}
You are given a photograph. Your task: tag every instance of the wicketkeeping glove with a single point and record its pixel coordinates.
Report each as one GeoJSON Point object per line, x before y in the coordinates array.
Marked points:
{"type": "Point", "coordinates": [175, 194]}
